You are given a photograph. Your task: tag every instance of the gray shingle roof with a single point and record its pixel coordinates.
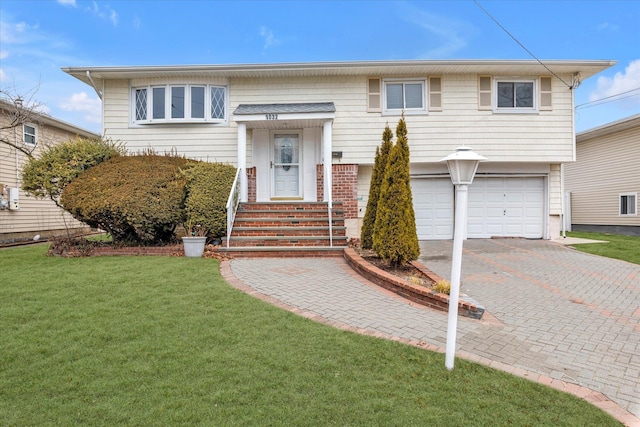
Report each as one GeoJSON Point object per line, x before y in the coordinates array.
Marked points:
{"type": "Point", "coordinates": [308, 107]}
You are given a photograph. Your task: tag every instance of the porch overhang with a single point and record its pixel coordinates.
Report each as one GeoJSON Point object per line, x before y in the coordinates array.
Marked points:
{"type": "Point", "coordinates": [284, 116]}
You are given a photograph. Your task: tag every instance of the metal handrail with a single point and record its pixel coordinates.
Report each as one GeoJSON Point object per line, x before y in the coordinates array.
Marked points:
{"type": "Point", "coordinates": [329, 210]}
{"type": "Point", "coordinates": [232, 204]}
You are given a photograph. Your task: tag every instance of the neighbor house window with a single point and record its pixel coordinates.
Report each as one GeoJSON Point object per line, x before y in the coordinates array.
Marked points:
{"type": "Point", "coordinates": [404, 96]}
{"type": "Point", "coordinates": [628, 204]}
{"type": "Point", "coordinates": [29, 134]}
{"type": "Point", "coordinates": [179, 103]}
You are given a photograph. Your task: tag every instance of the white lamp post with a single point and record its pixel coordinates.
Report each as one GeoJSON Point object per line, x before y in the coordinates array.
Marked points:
{"type": "Point", "coordinates": [462, 165]}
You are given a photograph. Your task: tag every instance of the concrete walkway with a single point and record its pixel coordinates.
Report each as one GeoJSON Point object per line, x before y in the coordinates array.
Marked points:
{"type": "Point", "coordinates": [555, 315]}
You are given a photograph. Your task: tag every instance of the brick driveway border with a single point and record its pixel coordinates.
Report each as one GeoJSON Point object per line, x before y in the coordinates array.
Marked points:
{"type": "Point", "coordinates": [555, 315]}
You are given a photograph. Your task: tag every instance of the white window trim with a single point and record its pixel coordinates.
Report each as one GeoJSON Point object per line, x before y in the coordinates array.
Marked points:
{"type": "Point", "coordinates": [635, 205]}
{"type": "Point", "coordinates": [35, 134]}
{"type": "Point", "coordinates": [515, 110]}
{"type": "Point", "coordinates": [410, 111]}
{"type": "Point", "coordinates": [187, 107]}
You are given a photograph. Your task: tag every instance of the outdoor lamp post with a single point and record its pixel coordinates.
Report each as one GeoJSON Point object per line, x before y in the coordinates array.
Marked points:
{"type": "Point", "coordinates": [462, 165]}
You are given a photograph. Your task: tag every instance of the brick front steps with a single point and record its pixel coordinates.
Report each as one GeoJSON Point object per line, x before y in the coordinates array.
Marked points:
{"type": "Point", "coordinates": [422, 295]}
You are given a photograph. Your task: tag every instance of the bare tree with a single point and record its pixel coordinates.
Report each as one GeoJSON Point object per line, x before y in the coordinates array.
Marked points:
{"type": "Point", "coordinates": [20, 109]}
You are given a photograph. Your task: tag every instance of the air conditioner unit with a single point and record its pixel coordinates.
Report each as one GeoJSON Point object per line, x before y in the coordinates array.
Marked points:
{"type": "Point", "coordinates": [14, 199]}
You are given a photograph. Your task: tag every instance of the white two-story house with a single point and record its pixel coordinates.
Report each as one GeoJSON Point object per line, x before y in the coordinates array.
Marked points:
{"type": "Point", "coordinates": [306, 132]}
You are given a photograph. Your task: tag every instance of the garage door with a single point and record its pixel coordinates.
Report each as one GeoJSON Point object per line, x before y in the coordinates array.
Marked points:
{"type": "Point", "coordinates": [506, 207]}
{"type": "Point", "coordinates": [433, 206]}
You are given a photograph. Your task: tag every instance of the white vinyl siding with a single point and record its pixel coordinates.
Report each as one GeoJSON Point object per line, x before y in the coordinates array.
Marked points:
{"type": "Point", "coordinates": [531, 138]}
{"type": "Point", "coordinates": [606, 168]}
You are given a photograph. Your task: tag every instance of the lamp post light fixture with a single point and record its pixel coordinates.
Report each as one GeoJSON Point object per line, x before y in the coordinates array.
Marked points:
{"type": "Point", "coordinates": [462, 164]}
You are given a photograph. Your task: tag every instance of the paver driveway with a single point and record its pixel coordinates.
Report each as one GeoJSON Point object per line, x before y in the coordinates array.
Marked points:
{"type": "Point", "coordinates": [552, 310]}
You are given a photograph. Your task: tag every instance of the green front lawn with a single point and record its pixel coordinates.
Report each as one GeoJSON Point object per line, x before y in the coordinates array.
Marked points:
{"type": "Point", "coordinates": [626, 248]}
{"type": "Point", "coordinates": [160, 341]}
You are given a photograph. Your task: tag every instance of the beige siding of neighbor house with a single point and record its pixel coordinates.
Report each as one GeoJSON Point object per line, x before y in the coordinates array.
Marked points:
{"type": "Point", "coordinates": [607, 166]}
{"type": "Point", "coordinates": [35, 216]}
{"type": "Point", "coordinates": [544, 136]}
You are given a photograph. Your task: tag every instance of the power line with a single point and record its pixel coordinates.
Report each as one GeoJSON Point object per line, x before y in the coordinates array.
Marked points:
{"type": "Point", "coordinates": [617, 96]}
{"type": "Point", "coordinates": [520, 44]}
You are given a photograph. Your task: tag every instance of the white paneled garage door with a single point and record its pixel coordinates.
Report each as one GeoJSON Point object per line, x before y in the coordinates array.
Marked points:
{"type": "Point", "coordinates": [433, 206]}
{"type": "Point", "coordinates": [506, 207]}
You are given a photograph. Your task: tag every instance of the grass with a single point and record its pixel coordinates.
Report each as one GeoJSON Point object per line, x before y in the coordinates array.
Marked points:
{"type": "Point", "coordinates": [626, 248]}
{"type": "Point", "coordinates": [165, 341]}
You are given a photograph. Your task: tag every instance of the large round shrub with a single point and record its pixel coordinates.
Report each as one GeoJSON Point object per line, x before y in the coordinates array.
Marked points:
{"type": "Point", "coordinates": [207, 191]}
{"type": "Point", "coordinates": [136, 198]}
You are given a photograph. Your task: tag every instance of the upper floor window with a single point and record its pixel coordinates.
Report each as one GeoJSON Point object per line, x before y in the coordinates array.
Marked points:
{"type": "Point", "coordinates": [628, 204]}
{"type": "Point", "coordinates": [508, 95]}
{"type": "Point", "coordinates": [404, 95]}
{"type": "Point", "coordinates": [409, 96]}
{"type": "Point", "coordinates": [515, 94]}
{"type": "Point", "coordinates": [29, 134]}
{"type": "Point", "coordinates": [179, 103]}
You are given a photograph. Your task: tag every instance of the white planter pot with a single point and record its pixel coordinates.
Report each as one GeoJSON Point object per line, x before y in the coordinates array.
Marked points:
{"type": "Point", "coordinates": [194, 246]}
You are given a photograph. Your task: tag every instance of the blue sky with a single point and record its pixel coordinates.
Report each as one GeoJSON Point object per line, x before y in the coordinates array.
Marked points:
{"type": "Point", "coordinates": [38, 37]}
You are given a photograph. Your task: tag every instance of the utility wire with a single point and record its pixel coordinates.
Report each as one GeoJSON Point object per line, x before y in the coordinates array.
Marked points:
{"type": "Point", "coordinates": [606, 99]}
{"type": "Point", "coordinates": [520, 44]}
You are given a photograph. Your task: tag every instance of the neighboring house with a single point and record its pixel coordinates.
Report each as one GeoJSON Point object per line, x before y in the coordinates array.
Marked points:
{"type": "Point", "coordinates": [287, 125]}
{"type": "Point", "coordinates": [22, 217]}
{"type": "Point", "coordinates": [604, 182]}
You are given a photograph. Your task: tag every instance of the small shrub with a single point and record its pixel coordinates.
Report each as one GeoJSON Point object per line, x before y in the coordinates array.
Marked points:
{"type": "Point", "coordinates": [442, 287]}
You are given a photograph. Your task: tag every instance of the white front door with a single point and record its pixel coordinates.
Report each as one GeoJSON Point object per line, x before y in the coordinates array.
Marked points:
{"type": "Point", "coordinates": [285, 165]}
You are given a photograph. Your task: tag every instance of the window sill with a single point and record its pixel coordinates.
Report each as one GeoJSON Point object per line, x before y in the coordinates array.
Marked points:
{"type": "Point", "coordinates": [405, 112]}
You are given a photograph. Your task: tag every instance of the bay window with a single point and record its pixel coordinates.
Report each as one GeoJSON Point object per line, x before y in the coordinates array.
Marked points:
{"type": "Point", "coordinates": [179, 104]}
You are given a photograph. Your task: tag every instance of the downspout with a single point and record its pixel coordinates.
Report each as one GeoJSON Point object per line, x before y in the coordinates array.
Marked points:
{"type": "Point", "coordinates": [93, 85]}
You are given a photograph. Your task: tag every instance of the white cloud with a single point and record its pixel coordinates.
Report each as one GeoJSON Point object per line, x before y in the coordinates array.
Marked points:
{"type": "Point", "coordinates": [4, 54]}
{"type": "Point", "coordinates": [3, 76]}
{"type": "Point", "coordinates": [269, 38]}
{"type": "Point", "coordinates": [105, 13]}
{"type": "Point", "coordinates": [447, 33]}
{"type": "Point", "coordinates": [81, 102]}
{"type": "Point", "coordinates": [67, 2]}
{"type": "Point", "coordinates": [607, 26]}
{"type": "Point", "coordinates": [620, 84]}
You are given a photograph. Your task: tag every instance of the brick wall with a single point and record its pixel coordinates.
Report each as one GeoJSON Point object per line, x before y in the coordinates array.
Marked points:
{"type": "Point", "coordinates": [251, 180]}
{"type": "Point", "coordinates": [345, 187]}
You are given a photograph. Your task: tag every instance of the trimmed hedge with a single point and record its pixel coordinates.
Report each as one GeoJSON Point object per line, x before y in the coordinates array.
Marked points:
{"type": "Point", "coordinates": [137, 198]}
{"type": "Point", "coordinates": [207, 190]}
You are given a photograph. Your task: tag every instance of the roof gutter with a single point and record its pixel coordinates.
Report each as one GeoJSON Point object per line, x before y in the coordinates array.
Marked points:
{"type": "Point", "coordinates": [93, 85]}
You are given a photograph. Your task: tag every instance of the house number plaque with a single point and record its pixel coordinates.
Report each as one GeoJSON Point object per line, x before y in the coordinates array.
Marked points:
{"type": "Point", "coordinates": [271, 116]}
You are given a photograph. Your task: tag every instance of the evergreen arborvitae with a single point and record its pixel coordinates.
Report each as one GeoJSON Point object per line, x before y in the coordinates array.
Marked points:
{"type": "Point", "coordinates": [395, 238]}
{"type": "Point", "coordinates": [380, 163]}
